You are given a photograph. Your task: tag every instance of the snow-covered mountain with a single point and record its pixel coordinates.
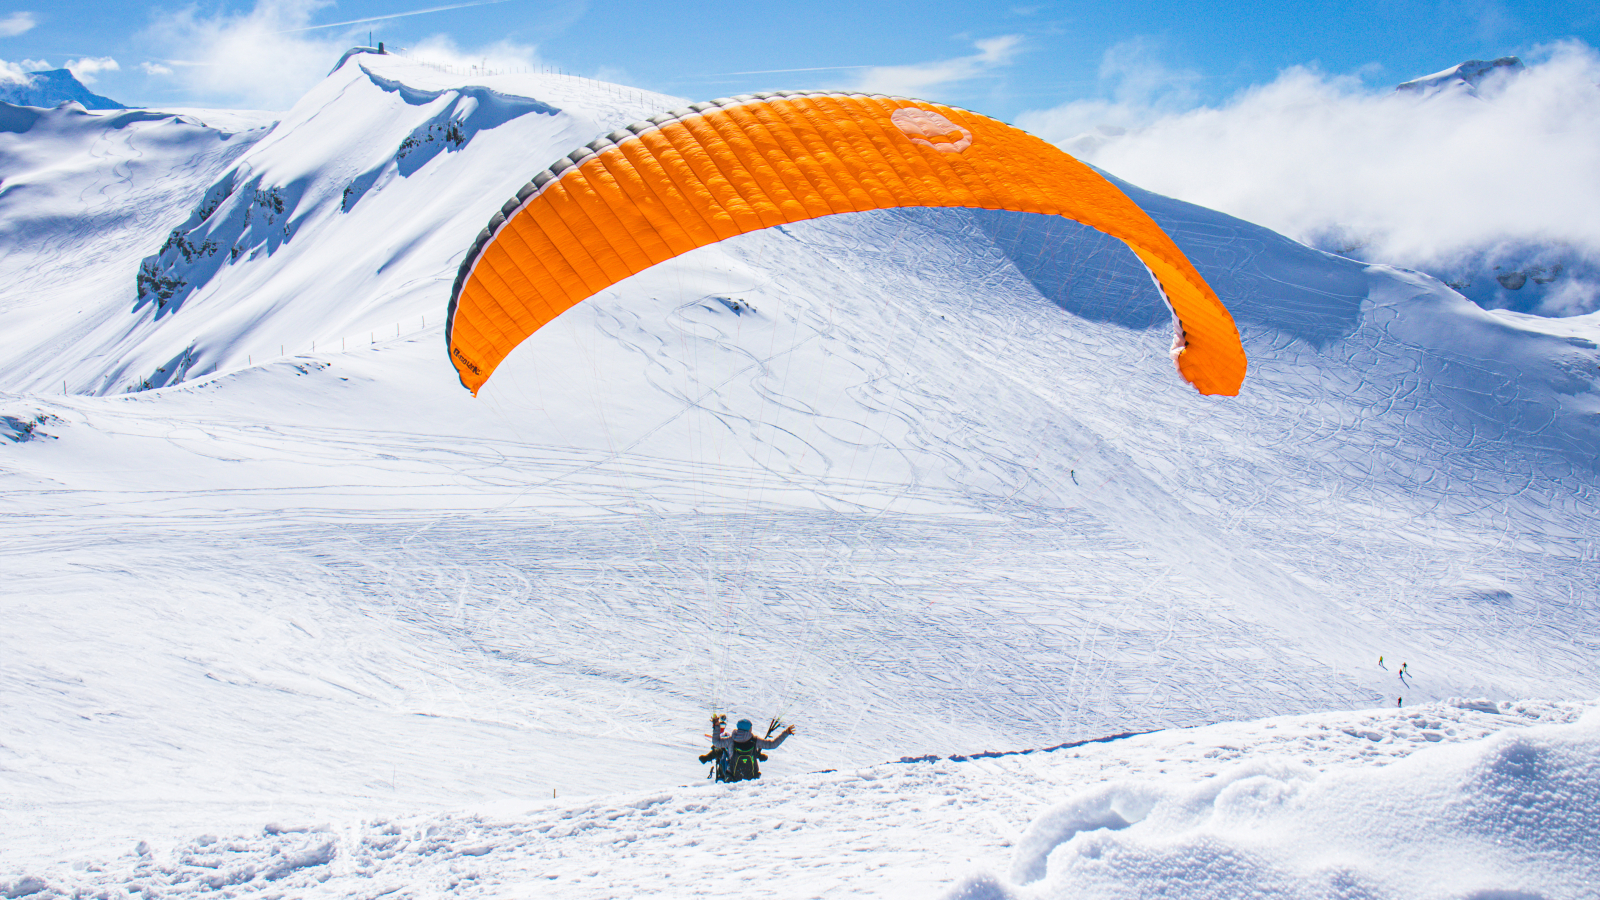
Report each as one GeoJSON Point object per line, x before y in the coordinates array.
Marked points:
{"type": "Point", "coordinates": [1469, 77]}
{"type": "Point", "coordinates": [923, 481]}
{"type": "Point", "coordinates": [50, 88]}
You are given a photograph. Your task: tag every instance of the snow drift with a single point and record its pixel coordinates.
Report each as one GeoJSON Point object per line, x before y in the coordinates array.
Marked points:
{"type": "Point", "coordinates": [1503, 817]}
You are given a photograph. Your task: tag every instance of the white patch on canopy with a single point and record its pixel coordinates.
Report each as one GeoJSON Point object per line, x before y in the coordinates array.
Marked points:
{"type": "Point", "coordinates": [928, 128]}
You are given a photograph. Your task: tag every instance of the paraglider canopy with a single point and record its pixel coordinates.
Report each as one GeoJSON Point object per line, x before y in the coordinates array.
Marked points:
{"type": "Point", "coordinates": [694, 176]}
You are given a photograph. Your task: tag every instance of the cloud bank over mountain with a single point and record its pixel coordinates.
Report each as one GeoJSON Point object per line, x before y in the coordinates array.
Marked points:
{"type": "Point", "coordinates": [34, 84]}
{"type": "Point", "coordinates": [1504, 173]}
{"type": "Point", "coordinates": [270, 55]}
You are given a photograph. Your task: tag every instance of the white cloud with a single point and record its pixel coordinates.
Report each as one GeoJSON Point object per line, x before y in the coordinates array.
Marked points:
{"type": "Point", "coordinates": [13, 73]}
{"type": "Point", "coordinates": [1490, 20]}
{"type": "Point", "coordinates": [245, 59]}
{"type": "Point", "coordinates": [1139, 87]}
{"type": "Point", "coordinates": [925, 78]}
{"type": "Point", "coordinates": [268, 57]}
{"type": "Point", "coordinates": [18, 72]}
{"type": "Point", "coordinates": [1419, 182]}
{"type": "Point", "coordinates": [17, 23]}
{"type": "Point", "coordinates": [87, 68]}
{"type": "Point", "coordinates": [498, 56]}
{"type": "Point", "coordinates": [1136, 75]}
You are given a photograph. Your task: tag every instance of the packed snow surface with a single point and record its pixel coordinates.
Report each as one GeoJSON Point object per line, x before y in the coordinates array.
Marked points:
{"type": "Point", "coordinates": [1457, 799]}
{"type": "Point", "coordinates": [282, 599]}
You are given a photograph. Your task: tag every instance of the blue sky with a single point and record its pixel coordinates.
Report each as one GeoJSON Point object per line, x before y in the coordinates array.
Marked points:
{"type": "Point", "coordinates": [1002, 59]}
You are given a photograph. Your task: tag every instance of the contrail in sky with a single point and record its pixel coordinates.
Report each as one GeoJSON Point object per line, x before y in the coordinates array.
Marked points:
{"type": "Point", "coordinates": [415, 12]}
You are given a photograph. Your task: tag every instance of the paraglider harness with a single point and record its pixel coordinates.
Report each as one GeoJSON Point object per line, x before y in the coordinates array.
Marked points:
{"type": "Point", "coordinates": [740, 762]}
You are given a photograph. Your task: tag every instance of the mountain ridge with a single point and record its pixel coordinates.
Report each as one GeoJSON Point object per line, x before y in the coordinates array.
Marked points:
{"type": "Point", "coordinates": [50, 88]}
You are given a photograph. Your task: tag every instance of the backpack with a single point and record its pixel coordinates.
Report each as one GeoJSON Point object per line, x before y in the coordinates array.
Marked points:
{"type": "Point", "coordinates": [741, 762]}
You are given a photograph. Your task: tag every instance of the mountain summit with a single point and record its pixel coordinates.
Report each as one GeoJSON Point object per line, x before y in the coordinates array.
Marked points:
{"type": "Point", "coordinates": [51, 88]}
{"type": "Point", "coordinates": [1468, 76]}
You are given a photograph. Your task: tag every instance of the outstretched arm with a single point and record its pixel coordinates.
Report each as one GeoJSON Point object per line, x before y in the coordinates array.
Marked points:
{"type": "Point", "coordinates": [769, 745]}
{"type": "Point", "coordinates": [718, 738]}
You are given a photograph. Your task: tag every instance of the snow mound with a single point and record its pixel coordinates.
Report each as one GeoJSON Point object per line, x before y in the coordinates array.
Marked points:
{"type": "Point", "coordinates": [1508, 816]}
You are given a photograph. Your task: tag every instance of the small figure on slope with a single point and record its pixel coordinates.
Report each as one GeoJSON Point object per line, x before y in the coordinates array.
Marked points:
{"type": "Point", "coordinates": [739, 755]}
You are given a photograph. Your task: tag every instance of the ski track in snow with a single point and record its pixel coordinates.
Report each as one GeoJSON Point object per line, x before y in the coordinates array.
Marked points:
{"type": "Point", "coordinates": [922, 481]}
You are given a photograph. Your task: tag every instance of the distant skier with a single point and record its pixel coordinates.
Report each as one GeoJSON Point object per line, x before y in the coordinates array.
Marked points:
{"type": "Point", "coordinates": [1403, 671]}
{"type": "Point", "coordinates": [1380, 662]}
{"type": "Point", "coordinates": [739, 755]}
{"type": "Point", "coordinates": [1399, 701]}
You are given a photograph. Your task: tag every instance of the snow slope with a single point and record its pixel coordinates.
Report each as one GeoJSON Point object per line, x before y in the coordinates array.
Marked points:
{"type": "Point", "coordinates": [1464, 799]}
{"type": "Point", "coordinates": [923, 481]}
{"type": "Point", "coordinates": [332, 224]}
{"type": "Point", "coordinates": [82, 195]}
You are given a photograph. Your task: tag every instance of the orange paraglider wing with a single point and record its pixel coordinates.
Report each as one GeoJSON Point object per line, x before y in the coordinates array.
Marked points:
{"type": "Point", "coordinates": [694, 176]}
